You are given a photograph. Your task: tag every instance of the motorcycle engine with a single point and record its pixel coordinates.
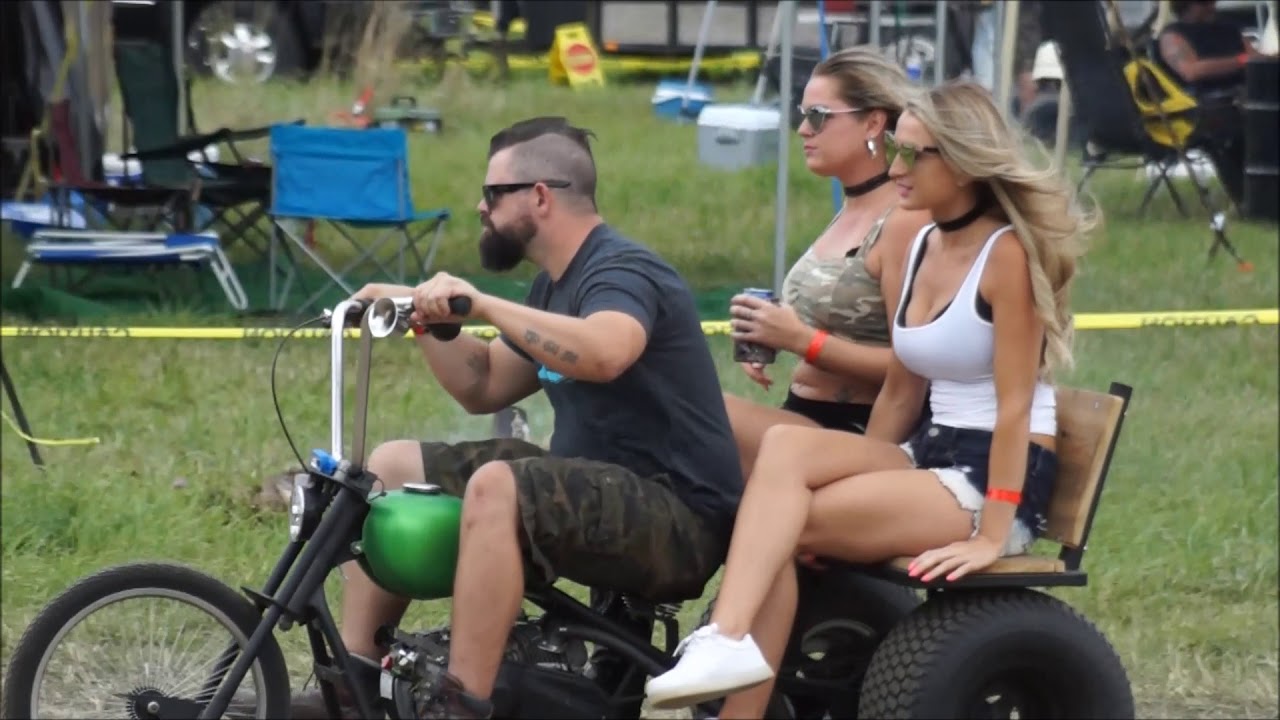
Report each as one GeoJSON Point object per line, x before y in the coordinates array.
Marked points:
{"type": "Point", "coordinates": [542, 674]}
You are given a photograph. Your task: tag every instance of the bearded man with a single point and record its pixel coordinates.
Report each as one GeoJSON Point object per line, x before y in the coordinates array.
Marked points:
{"type": "Point", "coordinates": [638, 490]}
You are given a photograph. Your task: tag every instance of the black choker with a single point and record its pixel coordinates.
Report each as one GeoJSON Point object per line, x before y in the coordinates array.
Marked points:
{"type": "Point", "coordinates": [866, 186]}
{"type": "Point", "coordinates": [964, 220]}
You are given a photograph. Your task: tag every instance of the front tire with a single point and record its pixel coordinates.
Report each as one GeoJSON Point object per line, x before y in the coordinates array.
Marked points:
{"type": "Point", "coordinates": [77, 603]}
{"type": "Point", "coordinates": [987, 653]}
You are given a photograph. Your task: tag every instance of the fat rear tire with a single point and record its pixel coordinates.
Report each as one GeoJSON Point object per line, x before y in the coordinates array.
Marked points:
{"type": "Point", "coordinates": [982, 653]}
{"type": "Point", "coordinates": [175, 581]}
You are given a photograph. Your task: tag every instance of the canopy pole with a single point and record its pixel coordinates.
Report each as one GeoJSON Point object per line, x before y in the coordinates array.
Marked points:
{"type": "Point", "coordinates": [179, 66]}
{"type": "Point", "coordinates": [1008, 45]}
{"type": "Point", "coordinates": [786, 54]}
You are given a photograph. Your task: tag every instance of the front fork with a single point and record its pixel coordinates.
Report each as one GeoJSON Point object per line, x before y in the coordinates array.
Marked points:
{"type": "Point", "coordinates": [301, 595]}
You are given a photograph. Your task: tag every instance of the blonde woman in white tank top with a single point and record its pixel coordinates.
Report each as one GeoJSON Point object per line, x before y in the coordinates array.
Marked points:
{"type": "Point", "coordinates": [982, 319]}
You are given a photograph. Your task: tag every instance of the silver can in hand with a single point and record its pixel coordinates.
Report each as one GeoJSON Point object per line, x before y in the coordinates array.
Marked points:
{"type": "Point", "coordinates": [751, 352]}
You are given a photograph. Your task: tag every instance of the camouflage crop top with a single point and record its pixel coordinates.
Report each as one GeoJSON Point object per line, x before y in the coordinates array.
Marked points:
{"type": "Point", "coordinates": [839, 295]}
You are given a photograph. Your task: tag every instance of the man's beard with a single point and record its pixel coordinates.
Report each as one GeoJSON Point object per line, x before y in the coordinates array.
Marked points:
{"type": "Point", "coordinates": [502, 250]}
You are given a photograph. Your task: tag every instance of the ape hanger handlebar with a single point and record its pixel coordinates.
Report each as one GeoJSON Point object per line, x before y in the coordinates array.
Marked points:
{"type": "Point", "coordinates": [377, 319]}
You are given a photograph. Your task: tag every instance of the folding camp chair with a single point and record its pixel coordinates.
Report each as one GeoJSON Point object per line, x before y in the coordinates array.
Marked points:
{"type": "Point", "coordinates": [149, 86]}
{"type": "Point", "coordinates": [111, 205]}
{"type": "Point", "coordinates": [349, 178]}
{"type": "Point", "coordinates": [1103, 76]}
{"type": "Point", "coordinates": [58, 246]}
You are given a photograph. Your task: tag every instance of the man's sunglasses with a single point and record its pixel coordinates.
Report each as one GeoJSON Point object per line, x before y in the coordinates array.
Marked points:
{"type": "Point", "coordinates": [491, 193]}
{"type": "Point", "coordinates": [908, 153]}
{"type": "Point", "coordinates": [817, 115]}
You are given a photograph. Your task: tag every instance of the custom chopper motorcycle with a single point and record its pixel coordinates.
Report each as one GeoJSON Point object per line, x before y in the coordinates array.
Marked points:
{"type": "Point", "coordinates": [406, 540]}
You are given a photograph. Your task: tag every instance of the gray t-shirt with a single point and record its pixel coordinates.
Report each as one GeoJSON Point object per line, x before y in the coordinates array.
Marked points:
{"type": "Point", "coordinates": [665, 414]}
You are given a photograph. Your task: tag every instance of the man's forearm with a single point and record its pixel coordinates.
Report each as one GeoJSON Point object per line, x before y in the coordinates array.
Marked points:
{"type": "Point", "coordinates": [1209, 68]}
{"type": "Point", "coordinates": [460, 365]}
{"type": "Point", "coordinates": [563, 344]}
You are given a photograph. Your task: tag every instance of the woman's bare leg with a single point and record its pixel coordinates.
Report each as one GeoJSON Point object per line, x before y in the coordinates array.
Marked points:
{"type": "Point", "coordinates": [867, 518]}
{"type": "Point", "coordinates": [750, 420]}
{"type": "Point", "coordinates": [793, 462]}
{"type": "Point", "coordinates": [882, 515]}
{"type": "Point", "coordinates": [771, 631]}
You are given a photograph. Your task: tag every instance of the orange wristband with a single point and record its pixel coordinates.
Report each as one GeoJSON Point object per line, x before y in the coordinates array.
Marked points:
{"type": "Point", "coordinates": [815, 346]}
{"type": "Point", "coordinates": [1013, 497]}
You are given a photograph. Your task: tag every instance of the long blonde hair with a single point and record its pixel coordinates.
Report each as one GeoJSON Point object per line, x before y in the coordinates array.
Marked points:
{"type": "Point", "coordinates": [1038, 201]}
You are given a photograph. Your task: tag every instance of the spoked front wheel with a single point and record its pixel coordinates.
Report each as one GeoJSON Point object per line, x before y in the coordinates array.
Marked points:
{"type": "Point", "coordinates": [145, 640]}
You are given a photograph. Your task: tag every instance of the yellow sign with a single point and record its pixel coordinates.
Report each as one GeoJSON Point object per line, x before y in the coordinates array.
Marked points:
{"type": "Point", "coordinates": [574, 57]}
{"type": "Point", "coordinates": [1083, 321]}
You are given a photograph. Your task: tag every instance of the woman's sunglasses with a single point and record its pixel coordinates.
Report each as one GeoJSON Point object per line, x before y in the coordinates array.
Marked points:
{"type": "Point", "coordinates": [893, 149]}
{"type": "Point", "coordinates": [817, 115]}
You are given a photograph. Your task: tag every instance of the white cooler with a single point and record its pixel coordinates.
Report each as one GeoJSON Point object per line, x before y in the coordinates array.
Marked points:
{"type": "Point", "coordinates": [737, 136]}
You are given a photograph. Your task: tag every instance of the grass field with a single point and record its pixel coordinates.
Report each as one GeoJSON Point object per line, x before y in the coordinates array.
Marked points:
{"type": "Point", "coordinates": [1183, 561]}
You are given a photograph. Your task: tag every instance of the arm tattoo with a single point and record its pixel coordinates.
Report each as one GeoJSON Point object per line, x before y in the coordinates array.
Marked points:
{"type": "Point", "coordinates": [550, 346]}
{"type": "Point", "coordinates": [479, 362]}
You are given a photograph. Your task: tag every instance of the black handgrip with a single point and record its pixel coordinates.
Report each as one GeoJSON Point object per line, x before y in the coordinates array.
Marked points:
{"type": "Point", "coordinates": [354, 312]}
{"type": "Point", "coordinates": [458, 305]}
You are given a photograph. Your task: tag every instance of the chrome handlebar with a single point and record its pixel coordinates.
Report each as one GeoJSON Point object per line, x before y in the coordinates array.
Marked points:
{"type": "Point", "coordinates": [378, 319]}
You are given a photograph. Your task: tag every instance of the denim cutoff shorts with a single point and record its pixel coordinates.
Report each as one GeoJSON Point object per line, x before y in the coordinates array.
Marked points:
{"type": "Point", "coordinates": [960, 458]}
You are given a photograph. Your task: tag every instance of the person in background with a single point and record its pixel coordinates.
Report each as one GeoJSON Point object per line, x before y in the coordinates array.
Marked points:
{"type": "Point", "coordinates": [838, 297]}
{"type": "Point", "coordinates": [1207, 56]}
{"type": "Point", "coordinates": [980, 21]}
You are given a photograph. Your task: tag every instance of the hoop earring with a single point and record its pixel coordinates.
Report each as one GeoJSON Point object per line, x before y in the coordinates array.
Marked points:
{"type": "Point", "coordinates": [871, 147]}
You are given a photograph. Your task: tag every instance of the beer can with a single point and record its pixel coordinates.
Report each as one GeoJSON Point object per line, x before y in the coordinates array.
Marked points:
{"type": "Point", "coordinates": [751, 352]}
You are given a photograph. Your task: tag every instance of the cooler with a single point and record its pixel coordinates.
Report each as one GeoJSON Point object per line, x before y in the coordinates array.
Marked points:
{"type": "Point", "coordinates": [669, 99]}
{"type": "Point", "coordinates": [737, 136]}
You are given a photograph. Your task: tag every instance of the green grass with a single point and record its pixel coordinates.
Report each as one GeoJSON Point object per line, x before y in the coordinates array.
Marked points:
{"type": "Point", "coordinates": [1183, 560]}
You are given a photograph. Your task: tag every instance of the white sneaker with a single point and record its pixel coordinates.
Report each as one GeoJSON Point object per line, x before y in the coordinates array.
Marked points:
{"type": "Point", "coordinates": [711, 666]}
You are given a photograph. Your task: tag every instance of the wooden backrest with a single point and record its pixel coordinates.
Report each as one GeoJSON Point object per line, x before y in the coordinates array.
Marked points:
{"type": "Point", "coordinates": [1087, 424]}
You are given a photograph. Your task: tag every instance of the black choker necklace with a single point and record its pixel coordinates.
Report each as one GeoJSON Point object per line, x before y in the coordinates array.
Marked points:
{"type": "Point", "coordinates": [964, 220]}
{"type": "Point", "coordinates": [866, 186]}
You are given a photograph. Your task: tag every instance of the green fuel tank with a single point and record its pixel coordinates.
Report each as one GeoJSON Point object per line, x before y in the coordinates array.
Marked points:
{"type": "Point", "coordinates": [409, 544]}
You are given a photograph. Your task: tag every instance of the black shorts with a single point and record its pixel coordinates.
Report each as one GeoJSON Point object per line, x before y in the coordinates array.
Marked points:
{"type": "Point", "coordinates": [599, 525]}
{"type": "Point", "coordinates": [850, 417]}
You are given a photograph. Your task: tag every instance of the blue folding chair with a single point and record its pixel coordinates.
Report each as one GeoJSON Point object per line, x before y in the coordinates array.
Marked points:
{"type": "Point", "coordinates": [348, 178]}
{"type": "Point", "coordinates": [96, 249]}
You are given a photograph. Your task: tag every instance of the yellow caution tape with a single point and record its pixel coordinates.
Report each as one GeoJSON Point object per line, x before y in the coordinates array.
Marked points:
{"type": "Point", "coordinates": [44, 441]}
{"type": "Point", "coordinates": [1084, 321]}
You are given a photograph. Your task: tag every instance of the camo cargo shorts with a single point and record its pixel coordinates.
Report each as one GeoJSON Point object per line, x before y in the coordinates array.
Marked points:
{"type": "Point", "coordinates": [596, 524]}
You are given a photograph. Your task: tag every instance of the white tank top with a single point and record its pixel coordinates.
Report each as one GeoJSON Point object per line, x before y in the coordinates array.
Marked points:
{"type": "Point", "coordinates": [954, 352]}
